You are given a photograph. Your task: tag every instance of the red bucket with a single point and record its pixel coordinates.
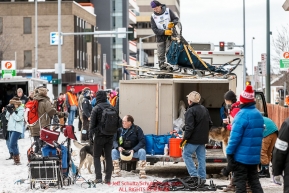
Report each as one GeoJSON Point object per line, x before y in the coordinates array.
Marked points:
{"type": "Point", "coordinates": [174, 147]}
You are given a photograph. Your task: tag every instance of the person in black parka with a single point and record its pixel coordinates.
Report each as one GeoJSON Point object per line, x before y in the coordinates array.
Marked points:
{"type": "Point", "coordinates": [280, 162]}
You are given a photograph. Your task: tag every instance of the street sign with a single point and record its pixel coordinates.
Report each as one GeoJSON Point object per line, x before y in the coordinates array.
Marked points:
{"type": "Point", "coordinates": [54, 37]}
{"type": "Point", "coordinates": [261, 68]}
{"type": "Point", "coordinates": [121, 30]}
{"type": "Point", "coordinates": [284, 61]}
{"type": "Point", "coordinates": [264, 57]}
{"type": "Point", "coordinates": [56, 68]}
{"type": "Point", "coordinates": [8, 67]}
{"type": "Point", "coordinates": [284, 64]}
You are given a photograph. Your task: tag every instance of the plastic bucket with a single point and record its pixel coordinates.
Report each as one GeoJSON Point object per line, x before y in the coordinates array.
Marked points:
{"type": "Point", "coordinates": [174, 147]}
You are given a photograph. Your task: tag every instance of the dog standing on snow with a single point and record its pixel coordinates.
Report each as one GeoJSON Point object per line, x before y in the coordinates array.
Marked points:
{"type": "Point", "coordinates": [86, 156]}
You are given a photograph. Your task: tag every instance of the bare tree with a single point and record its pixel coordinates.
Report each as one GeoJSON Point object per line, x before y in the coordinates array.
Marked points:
{"type": "Point", "coordinates": [281, 44]}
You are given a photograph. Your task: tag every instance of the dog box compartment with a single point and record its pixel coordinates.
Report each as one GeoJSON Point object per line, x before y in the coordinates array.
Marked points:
{"type": "Point", "coordinates": [157, 100]}
{"type": "Point", "coordinates": [45, 170]}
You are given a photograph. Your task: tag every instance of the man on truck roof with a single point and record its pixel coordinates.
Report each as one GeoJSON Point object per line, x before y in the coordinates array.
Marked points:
{"type": "Point", "coordinates": [162, 20]}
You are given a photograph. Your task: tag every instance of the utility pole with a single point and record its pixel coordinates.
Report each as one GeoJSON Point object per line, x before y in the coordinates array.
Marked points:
{"type": "Point", "coordinates": [268, 87]}
{"type": "Point", "coordinates": [36, 39]}
{"type": "Point", "coordinates": [244, 40]}
{"type": "Point", "coordinates": [59, 49]}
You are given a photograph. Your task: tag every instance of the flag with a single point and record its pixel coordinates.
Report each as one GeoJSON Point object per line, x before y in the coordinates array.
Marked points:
{"type": "Point", "coordinates": [125, 71]}
{"type": "Point", "coordinates": [107, 66]}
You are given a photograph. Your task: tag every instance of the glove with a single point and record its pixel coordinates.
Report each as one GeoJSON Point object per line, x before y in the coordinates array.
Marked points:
{"type": "Point", "coordinates": [68, 109]}
{"type": "Point", "coordinates": [183, 143]}
{"type": "Point", "coordinates": [16, 112]}
{"type": "Point", "coordinates": [171, 25]}
{"type": "Point", "coordinates": [278, 179]}
{"type": "Point", "coordinates": [231, 162]}
{"type": "Point", "coordinates": [10, 110]}
{"type": "Point", "coordinates": [225, 172]}
{"type": "Point", "coordinates": [168, 32]}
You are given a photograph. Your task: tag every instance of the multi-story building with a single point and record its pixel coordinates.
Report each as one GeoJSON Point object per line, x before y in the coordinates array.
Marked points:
{"type": "Point", "coordinates": [79, 53]}
{"type": "Point", "coordinates": [111, 15]}
{"type": "Point", "coordinates": [143, 25]}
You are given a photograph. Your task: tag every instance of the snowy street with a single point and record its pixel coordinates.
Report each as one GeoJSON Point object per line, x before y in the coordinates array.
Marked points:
{"type": "Point", "coordinates": [129, 182]}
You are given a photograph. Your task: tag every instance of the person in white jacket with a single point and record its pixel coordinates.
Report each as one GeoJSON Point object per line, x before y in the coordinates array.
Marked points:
{"type": "Point", "coordinates": [15, 117]}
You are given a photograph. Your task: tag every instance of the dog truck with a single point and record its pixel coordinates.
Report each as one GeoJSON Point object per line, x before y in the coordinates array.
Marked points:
{"type": "Point", "coordinates": [9, 86]}
{"type": "Point", "coordinates": [154, 103]}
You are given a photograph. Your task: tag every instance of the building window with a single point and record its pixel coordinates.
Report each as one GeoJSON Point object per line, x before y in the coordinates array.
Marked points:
{"type": "Point", "coordinates": [27, 25]}
{"type": "Point", "coordinates": [27, 58]}
{"type": "Point", "coordinates": [1, 25]}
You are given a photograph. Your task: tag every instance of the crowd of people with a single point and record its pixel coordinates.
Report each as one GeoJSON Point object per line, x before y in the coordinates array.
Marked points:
{"type": "Point", "coordinates": [252, 141]}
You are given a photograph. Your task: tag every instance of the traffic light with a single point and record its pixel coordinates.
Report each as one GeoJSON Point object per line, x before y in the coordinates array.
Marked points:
{"type": "Point", "coordinates": [248, 83]}
{"type": "Point", "coordinates": [222, 46]}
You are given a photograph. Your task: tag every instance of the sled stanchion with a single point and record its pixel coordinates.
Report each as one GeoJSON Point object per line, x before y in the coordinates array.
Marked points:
{"type": "Point", "coordinates": [186, 49]}
{"type": "Point", "coordinates": [204, 64]}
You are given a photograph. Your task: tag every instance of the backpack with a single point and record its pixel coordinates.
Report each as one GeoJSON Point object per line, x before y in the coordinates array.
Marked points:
{"type": "Point", "coordinates": [31, 112]}
{"type": "Point", "coordinates": [109, 120]}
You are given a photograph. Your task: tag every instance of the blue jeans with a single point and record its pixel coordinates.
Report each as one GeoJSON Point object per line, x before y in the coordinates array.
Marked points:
{"type": "Point", "coordinates": [22, 134]}
{"type": "Point", "coordinates": [140, 154]}
{"type": "Point", "coordinates": [200, 150]}
{"type": "Point", "coordinates": [13, 142]}
{"type": "Point", "coordinates": [71, 115]}
{"type": "Point", "coordinates": [47, 150]}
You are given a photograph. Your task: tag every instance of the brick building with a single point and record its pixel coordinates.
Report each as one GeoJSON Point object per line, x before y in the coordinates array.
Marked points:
{"type": "Point", "coordinates": [81, 54]}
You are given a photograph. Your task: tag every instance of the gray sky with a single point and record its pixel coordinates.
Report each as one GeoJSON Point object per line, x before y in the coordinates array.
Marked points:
{"type": "Point", "coordinates": [222, 20]}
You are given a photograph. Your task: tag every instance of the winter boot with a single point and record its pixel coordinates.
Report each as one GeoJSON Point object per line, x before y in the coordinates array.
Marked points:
{"type": "Point", "coordinates": [163, 66]}
{"type": "Point", "coordinates": [11, 156]}
{"type": "Point", "coordinates": [116, 169]}
{"type": "Point", "coordinates": [142, 168]}
{"type": "Point", "coordinates": [16, 159]}
{"type": "Point", "coordinates": [264, 173]}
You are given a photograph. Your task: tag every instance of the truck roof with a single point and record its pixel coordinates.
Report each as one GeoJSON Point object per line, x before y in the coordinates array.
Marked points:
{"type": "Point", "coordinates": [177, 80]}
{"type": "Point", "coordinates": [21, 79]}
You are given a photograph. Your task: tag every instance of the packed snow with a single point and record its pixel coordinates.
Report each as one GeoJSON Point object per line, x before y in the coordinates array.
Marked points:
{"type": "Point", "coordinates": [10, 175]}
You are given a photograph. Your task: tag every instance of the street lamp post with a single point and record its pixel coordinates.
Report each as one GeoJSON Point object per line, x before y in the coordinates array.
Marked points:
{"type": "Point", "coordinates": [36, 40]}
{"type": "Point", "coordinates": [140, 48]}
{"type": "Point", "coordinates": [244, 43]}
{"type": "Point", "coordinates": [253, 62]}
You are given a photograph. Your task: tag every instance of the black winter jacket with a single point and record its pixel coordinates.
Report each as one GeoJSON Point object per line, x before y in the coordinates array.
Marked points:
{"type": "Point", "coordinates": [86, 107]}
{"type": "Point", "coordinates": [280, 161]}
{"type": "Point", "coordinates": [197, 124]}
{"type": "Point", "coordinates": [160, 33]}
{"type": "Point", "coordinates": [134, 134]}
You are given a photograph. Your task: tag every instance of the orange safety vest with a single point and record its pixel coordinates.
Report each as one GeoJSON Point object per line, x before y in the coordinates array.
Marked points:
{"type": "Point", "coordinates": [72, 99]}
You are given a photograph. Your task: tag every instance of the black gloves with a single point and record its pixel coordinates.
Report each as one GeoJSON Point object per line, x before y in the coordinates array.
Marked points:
{"type": "Point", "coordinates": [16, 112]}
{"type": "Point", "coordinates": [225, 172]}
{"type": "Point", "coordinates": [91, 133]}
{"type": "Point", "coordinates": [230, 167]}
{"type": "Point", "coordinates": [10, 110]}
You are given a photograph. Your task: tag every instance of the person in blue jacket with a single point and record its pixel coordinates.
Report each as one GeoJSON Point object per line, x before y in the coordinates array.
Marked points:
{"type": "Point", "coordinates": [245, 143]}
{"type": "Point", "coordinates": [15, 117]}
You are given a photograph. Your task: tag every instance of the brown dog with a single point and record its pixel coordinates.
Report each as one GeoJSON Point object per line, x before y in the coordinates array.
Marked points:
{"type": "Point", "coordinates": [220, 134]}
{"type": "Point", "coordinates": [86, 156]}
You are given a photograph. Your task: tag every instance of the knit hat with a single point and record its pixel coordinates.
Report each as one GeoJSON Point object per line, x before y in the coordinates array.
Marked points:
{"type": "Point", "coordinates": [230, 96]}
{"type": "Point", "coordinates": [155, 4]}
{"type": "Point", "coordinates": [194, 96]}
{"type": "Point", "coordinates": [247, 95]}
{"type": "Point", "coordinates": [15, 101]}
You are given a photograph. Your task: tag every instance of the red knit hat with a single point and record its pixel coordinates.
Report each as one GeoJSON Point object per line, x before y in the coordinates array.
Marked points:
{"type": "Point", "coordinates": [247, 95]}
